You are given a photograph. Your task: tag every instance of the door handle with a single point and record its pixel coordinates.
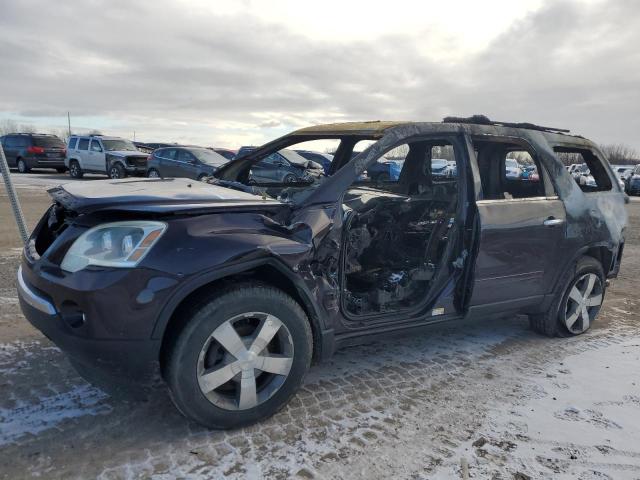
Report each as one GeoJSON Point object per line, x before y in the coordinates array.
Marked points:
{"type": "Point", "coordinates": [551, 222]}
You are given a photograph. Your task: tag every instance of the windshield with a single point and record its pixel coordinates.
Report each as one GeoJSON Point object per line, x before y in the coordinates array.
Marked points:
{"type": "Point", "coordinates": [209, 157]}
{"type": "Point", "coordinates": [119, 145]}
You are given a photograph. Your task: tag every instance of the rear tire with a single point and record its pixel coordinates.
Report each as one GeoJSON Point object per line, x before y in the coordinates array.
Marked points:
{"type": "Point", "coordinates": [220, 389]}
{"type": "Point", "coordinates": [290, 179]}
{"type": "Point", "coordinates": [74, 170]}
{"type": "Point", "coordinates": [116, 171]}
{"type": "Point", "coordinates": [22, 166]}
{"type": "Point", "coordinates": [153, 173]}
{"type": "Point", "coordinates": [577, 304]}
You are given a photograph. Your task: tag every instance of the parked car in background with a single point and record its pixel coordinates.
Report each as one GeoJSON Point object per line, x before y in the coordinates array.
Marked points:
{"type": "Point", "coordinates": [187, 162]}
{"type": "Point", "coordinates": [25, 151]}
{"type": "Point", "coordinates": [442, 168]}
{"type": "Point", "coordinates": [383, 170]}
{"type": "Point", "coordinates": [225, 152]}
{"type": "Point", "coordinates": [323, 159]}
{"type": "Point", "coordinates": [632, 182]}
{"type": "Point", "coordinates": [113, 156]}
{"type": "Point", "coordinates": [282, 166]}
{"type": "Point", "coordinates": [512, 168]}
{"type": "Point", "coordinates": [623, 171]}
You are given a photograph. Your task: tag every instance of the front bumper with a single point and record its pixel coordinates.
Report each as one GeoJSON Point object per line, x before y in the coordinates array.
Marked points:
{"type": "Point", "coordinates": [118, 361]}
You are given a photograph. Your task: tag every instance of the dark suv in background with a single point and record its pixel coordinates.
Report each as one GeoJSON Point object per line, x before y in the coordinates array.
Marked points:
{"type": "Point", "coordinates": [187, 162]}
{"type": "Point", "coordinates": [229, 288]}
{"type": "Point", "coordinates": [25, 151]}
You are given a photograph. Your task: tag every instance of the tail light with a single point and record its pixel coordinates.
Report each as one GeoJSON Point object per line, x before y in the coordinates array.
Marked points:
{"type": "Point", "coordinates": [64, 151]}
{"type": "Point", "coordinates": [35, 150]}
{"type": "Point", "coordinates": [149, 157]}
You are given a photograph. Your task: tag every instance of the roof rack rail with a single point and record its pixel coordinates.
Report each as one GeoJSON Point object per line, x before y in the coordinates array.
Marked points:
{"type": "Point", "coordinates": [27, 133]}
{"type": "Point", "coordinates": [484, 120]}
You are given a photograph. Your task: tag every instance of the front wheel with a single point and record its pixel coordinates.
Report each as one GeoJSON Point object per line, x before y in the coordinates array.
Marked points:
{"type": "Point", "coordinates": [240, 356]}
{"type": "Point", "coordinates": [116, 171]}
{"type": "Point", "coordinates": [577, 305]}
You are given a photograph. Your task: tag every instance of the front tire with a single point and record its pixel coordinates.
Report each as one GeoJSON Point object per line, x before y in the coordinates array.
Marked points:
{"type": "Point", "coordinates": [116, 171]}
{"type": "Point", "coordinates": [577, 305]}
{"type": "Point", "coordinates": [22, 166]}
{"type": "Point", "coordinates": [240, 356]}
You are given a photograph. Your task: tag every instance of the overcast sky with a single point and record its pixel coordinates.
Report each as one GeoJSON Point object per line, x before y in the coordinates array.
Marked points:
{"type": "Point", "coordinates": [242, 72]}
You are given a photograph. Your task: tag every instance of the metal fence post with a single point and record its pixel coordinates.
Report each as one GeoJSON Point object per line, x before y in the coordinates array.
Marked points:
{"type": "Point", "coordinates": [13, 197]}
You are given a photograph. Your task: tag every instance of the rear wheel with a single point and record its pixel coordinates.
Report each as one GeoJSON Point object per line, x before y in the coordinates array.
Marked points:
{"type": "Point", "coordinates": [290, 178]}
{"type": "Point", "coordinates": [240, 357]}
{"type": "Point", "coordinates": [74, 169]}
{"type": "Point", "coordinates": [22, 166]}
{"type": "Point", "coordinates": [116, 171]}
{"type": "Point", "coordinates": [577, 305]}
{"type": "Point", "coordinates": [153, 173]}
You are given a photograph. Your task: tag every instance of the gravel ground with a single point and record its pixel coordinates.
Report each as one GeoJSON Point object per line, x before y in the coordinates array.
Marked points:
{"type": "Point", "coordinates": [492, 397]}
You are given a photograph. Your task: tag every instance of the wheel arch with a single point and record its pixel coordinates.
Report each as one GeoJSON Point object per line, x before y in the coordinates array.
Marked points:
{"type": "Point", "coordinates": [603, 253]}
{"type": "Point", "coordinates": [269, 272]}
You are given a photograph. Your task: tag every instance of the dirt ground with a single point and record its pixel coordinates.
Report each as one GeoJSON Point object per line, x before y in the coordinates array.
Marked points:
{"type": "Point", "coordinates": [493, 396]}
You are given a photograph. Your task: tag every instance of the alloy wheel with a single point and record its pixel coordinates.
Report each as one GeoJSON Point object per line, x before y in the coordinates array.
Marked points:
{"type": "Point", "coordinates": [583, 303]}
{"type": "Point", "coordinates": [73, 169]}
{"type": "Point", "coordinates": [22, 167]}
{"type": "Point", "coordinates": [114, 173]}
{"type": "Point", "coordinates": [153, 174]}
{"type": "Point", "coordinates": [245, 361]}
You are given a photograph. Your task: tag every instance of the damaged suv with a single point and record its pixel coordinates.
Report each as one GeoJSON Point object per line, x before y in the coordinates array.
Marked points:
{"type": "Point", "coordinates": [229, 289]}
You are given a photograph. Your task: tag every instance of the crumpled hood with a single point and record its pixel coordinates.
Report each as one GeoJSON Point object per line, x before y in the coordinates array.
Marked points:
{"type": "Point", "coordinates": [126, 153]}
{"type": "Point", "coordinates": [155, 195]}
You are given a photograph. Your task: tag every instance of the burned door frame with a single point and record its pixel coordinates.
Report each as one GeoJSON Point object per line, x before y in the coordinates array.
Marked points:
{"type": "Point", "coordinates": [501, 285]}
{"type": "Point", "coordinates": [443, 291]}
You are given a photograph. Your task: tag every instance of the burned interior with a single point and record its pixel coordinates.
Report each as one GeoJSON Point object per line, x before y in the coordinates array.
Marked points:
{"type": "Point", "coordinates": [396, 234]}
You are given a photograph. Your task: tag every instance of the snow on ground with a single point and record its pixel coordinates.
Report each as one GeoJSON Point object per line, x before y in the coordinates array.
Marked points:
{"type": "Point", "coordinates": [583, 421]}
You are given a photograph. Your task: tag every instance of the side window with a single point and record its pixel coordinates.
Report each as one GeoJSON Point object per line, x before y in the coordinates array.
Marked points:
{"type": "Point", "coordinates": [83, 144]}
{"type": "Point", "coordinates": [95, 146]}
{"type": "Point", "coordinates": [184, 156]}
{"type": "Point", "coordinates": [72, 143]}
{"type": "Point", "coordinates": [169, 154]}
{"type": "Point", "coordinates": [508, 171]}
{"type": "Point", "coordinates": [10, 142]}
{"type": "Point", "coordinates": [591, 174]}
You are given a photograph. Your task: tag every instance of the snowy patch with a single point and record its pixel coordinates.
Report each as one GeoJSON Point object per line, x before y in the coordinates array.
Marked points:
{"type": "Point", "coordinates": [33, 418]}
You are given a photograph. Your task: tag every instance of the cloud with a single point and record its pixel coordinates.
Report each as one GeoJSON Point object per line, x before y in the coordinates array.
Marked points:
{"type": "Point", "coordinates": [177, 73]}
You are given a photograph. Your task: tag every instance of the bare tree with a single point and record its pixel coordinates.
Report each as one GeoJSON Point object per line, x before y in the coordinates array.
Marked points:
{"type": "Point", "coordinates": [95, 132]}
{"type": "Point", "coordinates": [620, 154]}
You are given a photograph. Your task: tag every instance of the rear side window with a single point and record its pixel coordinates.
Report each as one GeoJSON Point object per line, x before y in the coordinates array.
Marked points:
{"type": "Point", "coordinates": [10, 142]}
{"type": "Point", "coordinates": [48, 142]}
{"type": "Point", "coordinates": [83, 144]}
{"type": "Point", "coordinates": [72, 143]}
{"type": "Point", "coordinates": [591, 174]}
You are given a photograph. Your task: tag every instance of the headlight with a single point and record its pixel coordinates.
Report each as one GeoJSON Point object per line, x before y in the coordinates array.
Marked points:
{"type": "Point", "coordinates": [118, 244]}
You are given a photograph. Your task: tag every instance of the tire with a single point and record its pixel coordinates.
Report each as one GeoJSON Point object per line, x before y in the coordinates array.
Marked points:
{"type": "Point", "coordinates": [22, 166]}
{"type": "Point", "coordinates": [153, 173]}
{"type": "Point", "coordinates": [249, 308]}
{"type": "Point", "coordinates": [61, 169]}
{"type": "Point", "coordinates": [289, 179]}
{"type": "Point", "coordinates": [561, 320]}
{"type": "Point", "coordinates": [75, 171]}
{"type": "Point", "coordinates": [116, 171]}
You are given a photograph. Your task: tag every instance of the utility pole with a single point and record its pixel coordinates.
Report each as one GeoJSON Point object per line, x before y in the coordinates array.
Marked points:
{"type": "Point", "coordinates": [69, 122]}
{"type": "Point", "coordinates": [134, 135]}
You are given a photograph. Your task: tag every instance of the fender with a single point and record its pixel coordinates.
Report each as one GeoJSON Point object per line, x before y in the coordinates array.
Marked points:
{"type": "Point", "coordinates": [325, 335]}
{"type": "Point", "coordinates": [580, 253]}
